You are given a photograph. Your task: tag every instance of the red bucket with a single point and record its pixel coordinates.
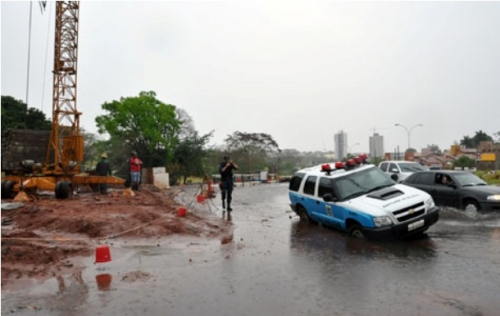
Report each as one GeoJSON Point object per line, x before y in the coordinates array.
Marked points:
{"type": "Point", "coordinates": [102, 254]}
{"type": "Point", "coordinates": [200, 198]}
{"type": "Point", "coordinates": [103, 281]}
{"type": "Point", "coordinates": [181, 211]}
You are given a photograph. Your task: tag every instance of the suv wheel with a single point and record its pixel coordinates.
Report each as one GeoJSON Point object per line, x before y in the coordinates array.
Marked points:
{"type": "Point", "coordinates": [356, 231]}
{"type": "Point", "coordinates": [304, 216]}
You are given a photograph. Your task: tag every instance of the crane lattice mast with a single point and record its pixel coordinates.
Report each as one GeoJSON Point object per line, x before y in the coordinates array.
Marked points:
{"type": "Point", "coordinates": [65, 149]}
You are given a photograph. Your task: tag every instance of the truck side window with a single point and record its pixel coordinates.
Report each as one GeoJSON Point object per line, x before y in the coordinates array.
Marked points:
{"type": "Point", "coordinates": [325, 186]}
{"type": "Point", "coordinates": [393, 168]}
{"type": "Point", "coordinates": [309, 185]}
{"type": "Point", "coordinates": [295, 182]}
{"type": "Point", "coordinates": [383, 166]}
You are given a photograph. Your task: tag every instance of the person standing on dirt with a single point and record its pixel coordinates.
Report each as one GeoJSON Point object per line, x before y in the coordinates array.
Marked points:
{"type": "Point", "coordinates": [103, 168]}
{"type": "Point", "coordinates": [226, 173]}
{"type": "Point", "coordinates": [135, 171]}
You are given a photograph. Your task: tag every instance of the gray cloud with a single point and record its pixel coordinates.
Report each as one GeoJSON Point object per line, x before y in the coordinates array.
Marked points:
{"type": "Point", "coordinates": [300, 71]}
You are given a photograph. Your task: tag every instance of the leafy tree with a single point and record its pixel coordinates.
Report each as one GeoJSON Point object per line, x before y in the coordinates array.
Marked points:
{"type": "Point", "coordinates": [253, 149]}
{"type": "Point", "coordinates": [144, 124]}
{"type": "Point", "coordinates": [464, 161]}
{"type": "Point", "coordinates": [479, 137]}
{"type": "Point", "coordinates": [290, 161]}
{"type": "Point", "coordinates": [411, 150]}
{"type": "Point", "coordinates": [17, 115]}
{"type": "Point", "coordinates": [434, 149]}
{"type": "Point", "coordinates": [187, 124]}
{"type": "Point", "coordinates": [189, 156]}
{"type": "Point", "coordinates": [497, 136]}
{"type": "Point", "coordinates": [467, 142]}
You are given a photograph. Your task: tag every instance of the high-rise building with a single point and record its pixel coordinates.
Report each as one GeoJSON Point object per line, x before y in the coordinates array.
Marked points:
{"type": "Point", "coordinates": [376, 145]}
{"type": "Point", "coordinates": [340, 145]}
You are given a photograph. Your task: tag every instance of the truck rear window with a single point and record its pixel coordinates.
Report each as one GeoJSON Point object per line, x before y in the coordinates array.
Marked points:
{"type": "Point", "coordinates": [295, 182]}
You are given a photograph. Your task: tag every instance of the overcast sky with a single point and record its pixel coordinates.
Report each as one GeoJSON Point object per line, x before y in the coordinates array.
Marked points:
{"type": "Point", "coordinates": [298, 70]}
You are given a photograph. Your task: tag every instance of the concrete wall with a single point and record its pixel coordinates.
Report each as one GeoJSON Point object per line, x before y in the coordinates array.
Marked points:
{"type": "Point", "coordinates": [156, 176]}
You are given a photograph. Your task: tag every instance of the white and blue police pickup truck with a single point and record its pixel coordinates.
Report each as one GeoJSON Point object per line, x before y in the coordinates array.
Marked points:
{"type": "Point", "coordinates": [360, 199]}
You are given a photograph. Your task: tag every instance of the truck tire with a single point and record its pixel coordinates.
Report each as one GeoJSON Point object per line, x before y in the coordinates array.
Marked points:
{"type": "Point", "coordinates": [304, 216]}
{"type": "Point", "coordinates": [355, 231]}
{"type": "Point", "coordinates": [7, 189]}
{"type": "Point", "coordinates": [64, 190]}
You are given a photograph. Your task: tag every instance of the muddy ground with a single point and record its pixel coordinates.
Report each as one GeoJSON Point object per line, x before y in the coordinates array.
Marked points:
{"type": "Point", "coordinates": [41, 238]}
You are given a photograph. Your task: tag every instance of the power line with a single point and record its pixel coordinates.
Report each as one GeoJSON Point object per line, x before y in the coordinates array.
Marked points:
{"type": "Point", "coordinates": [29, 54]}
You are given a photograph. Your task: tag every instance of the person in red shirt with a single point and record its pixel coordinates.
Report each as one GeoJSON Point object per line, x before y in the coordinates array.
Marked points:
{"type": "Point", "coordinates": [135, 171]}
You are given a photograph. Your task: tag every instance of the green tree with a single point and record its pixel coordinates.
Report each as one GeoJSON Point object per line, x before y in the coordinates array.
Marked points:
{"type": "Point", "coordinates": [497, 137]}
{"type": "Point", "coordinates": [464, 161]}
{"type": "Point", "coordinates": [189, 156]}
{"type": "Point", "coordinates": [434, 149]}
{"type": "Point", "coordinates": [17, 115]}
{"type": "Point", "coordinates": [481, 136]}
{"type": "Point", "coordinates": [144, 124]}
{"type": "Point", "coordinates": [254, 150]}
{"type": "Point", "coordinates": [467, 142]}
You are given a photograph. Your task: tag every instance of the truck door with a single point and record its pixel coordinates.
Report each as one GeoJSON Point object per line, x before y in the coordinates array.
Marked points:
{"type": "Point", "coordinates": [330, 212]}
{"type": "Point", "coordinates": [311, 202]}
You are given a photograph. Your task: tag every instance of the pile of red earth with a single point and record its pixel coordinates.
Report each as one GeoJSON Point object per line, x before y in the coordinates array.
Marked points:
{"type": "Point", "coordinates": [40, 237]}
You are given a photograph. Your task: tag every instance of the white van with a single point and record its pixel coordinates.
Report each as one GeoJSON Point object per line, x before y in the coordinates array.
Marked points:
{"type": "Point", "coordinates": [360, 199]}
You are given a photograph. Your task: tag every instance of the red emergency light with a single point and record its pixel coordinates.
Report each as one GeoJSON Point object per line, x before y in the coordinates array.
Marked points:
{"type": "Point", "coordinates": [350, 163]}
{"type": "Point", "coordinates": [339, 165]}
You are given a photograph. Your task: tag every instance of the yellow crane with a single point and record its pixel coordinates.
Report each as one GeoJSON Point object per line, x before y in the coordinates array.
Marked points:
{"type": "Point", "coordinates": [61, 171]}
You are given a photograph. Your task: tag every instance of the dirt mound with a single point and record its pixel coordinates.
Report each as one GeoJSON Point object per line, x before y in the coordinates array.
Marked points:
{"type": "Point", "coordinates": [40, 237]}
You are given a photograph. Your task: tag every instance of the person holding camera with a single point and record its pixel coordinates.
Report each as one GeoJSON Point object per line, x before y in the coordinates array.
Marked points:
{"type": "Point", "coordinates": [226, 173]}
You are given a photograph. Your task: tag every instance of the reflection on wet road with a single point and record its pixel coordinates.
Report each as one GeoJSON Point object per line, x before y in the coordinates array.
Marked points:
{"type": "Point", "coordinates": [276, 265]}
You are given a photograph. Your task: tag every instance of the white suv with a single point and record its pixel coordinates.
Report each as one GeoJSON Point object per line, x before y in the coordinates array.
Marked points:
{"type": "Point", "coordinates": [361, 200]}
{"type": "Point", "coordinates": [400, 170]}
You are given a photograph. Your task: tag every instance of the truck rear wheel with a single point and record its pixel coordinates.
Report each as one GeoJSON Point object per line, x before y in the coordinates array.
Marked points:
{"type": "Point", "coordinates": [64, 190]}
{"type": "Point", "coordinates": [7, 189]}
{"type": "Point", "coordinates": [304, 216]}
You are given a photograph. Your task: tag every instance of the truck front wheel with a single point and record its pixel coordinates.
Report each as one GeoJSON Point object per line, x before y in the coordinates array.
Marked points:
{"type": "Point", "coordinates": [355, 231]}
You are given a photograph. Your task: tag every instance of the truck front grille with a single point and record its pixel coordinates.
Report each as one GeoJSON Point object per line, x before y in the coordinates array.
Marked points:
{"type": "Point", "coordinates": [409, 212]}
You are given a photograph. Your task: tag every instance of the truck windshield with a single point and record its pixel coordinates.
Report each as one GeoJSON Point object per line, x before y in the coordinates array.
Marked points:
{"type": "Point", "coordinates": [410, 167]}
{"type": "Point", "coordinates": [358, 183]}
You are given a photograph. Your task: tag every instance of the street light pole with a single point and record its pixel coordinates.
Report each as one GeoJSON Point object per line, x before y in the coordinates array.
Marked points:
{"type": "Point", "coordinates": [350, 148]}
{"type": "Point", "coordinates": [409, 131]}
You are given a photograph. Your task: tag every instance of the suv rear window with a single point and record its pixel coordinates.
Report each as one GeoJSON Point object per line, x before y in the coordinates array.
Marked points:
{"type": "Point", "coordinates": [310, 184]}
{"type": "Point", "coordinates": [295, 181]}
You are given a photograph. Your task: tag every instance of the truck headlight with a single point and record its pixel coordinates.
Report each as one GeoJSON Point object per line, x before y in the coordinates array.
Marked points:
{"type": "Point", "coordinates": [382, 221]}
{"type": "Point", "coordinates": [495, 197]}
{"type": "Point", "coordinates": [429, 203]}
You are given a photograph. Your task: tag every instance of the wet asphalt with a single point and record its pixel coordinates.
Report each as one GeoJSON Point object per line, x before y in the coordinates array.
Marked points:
{"type": "Point", "coordinates": [276, 265]}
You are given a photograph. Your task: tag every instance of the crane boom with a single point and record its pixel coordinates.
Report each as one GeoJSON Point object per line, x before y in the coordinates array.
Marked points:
{"type": "Point", "coordinates": [65, 149]}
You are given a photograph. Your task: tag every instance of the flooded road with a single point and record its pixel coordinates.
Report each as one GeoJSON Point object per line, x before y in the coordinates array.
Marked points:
{"type": "Point", "coordinates": [276, 265]}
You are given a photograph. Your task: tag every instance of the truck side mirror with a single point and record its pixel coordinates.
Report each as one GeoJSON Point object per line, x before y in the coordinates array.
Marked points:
{"type": "Point", "coordinates": [394, 177]}
{"type": "Point", "coordinates": [329, 198]}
